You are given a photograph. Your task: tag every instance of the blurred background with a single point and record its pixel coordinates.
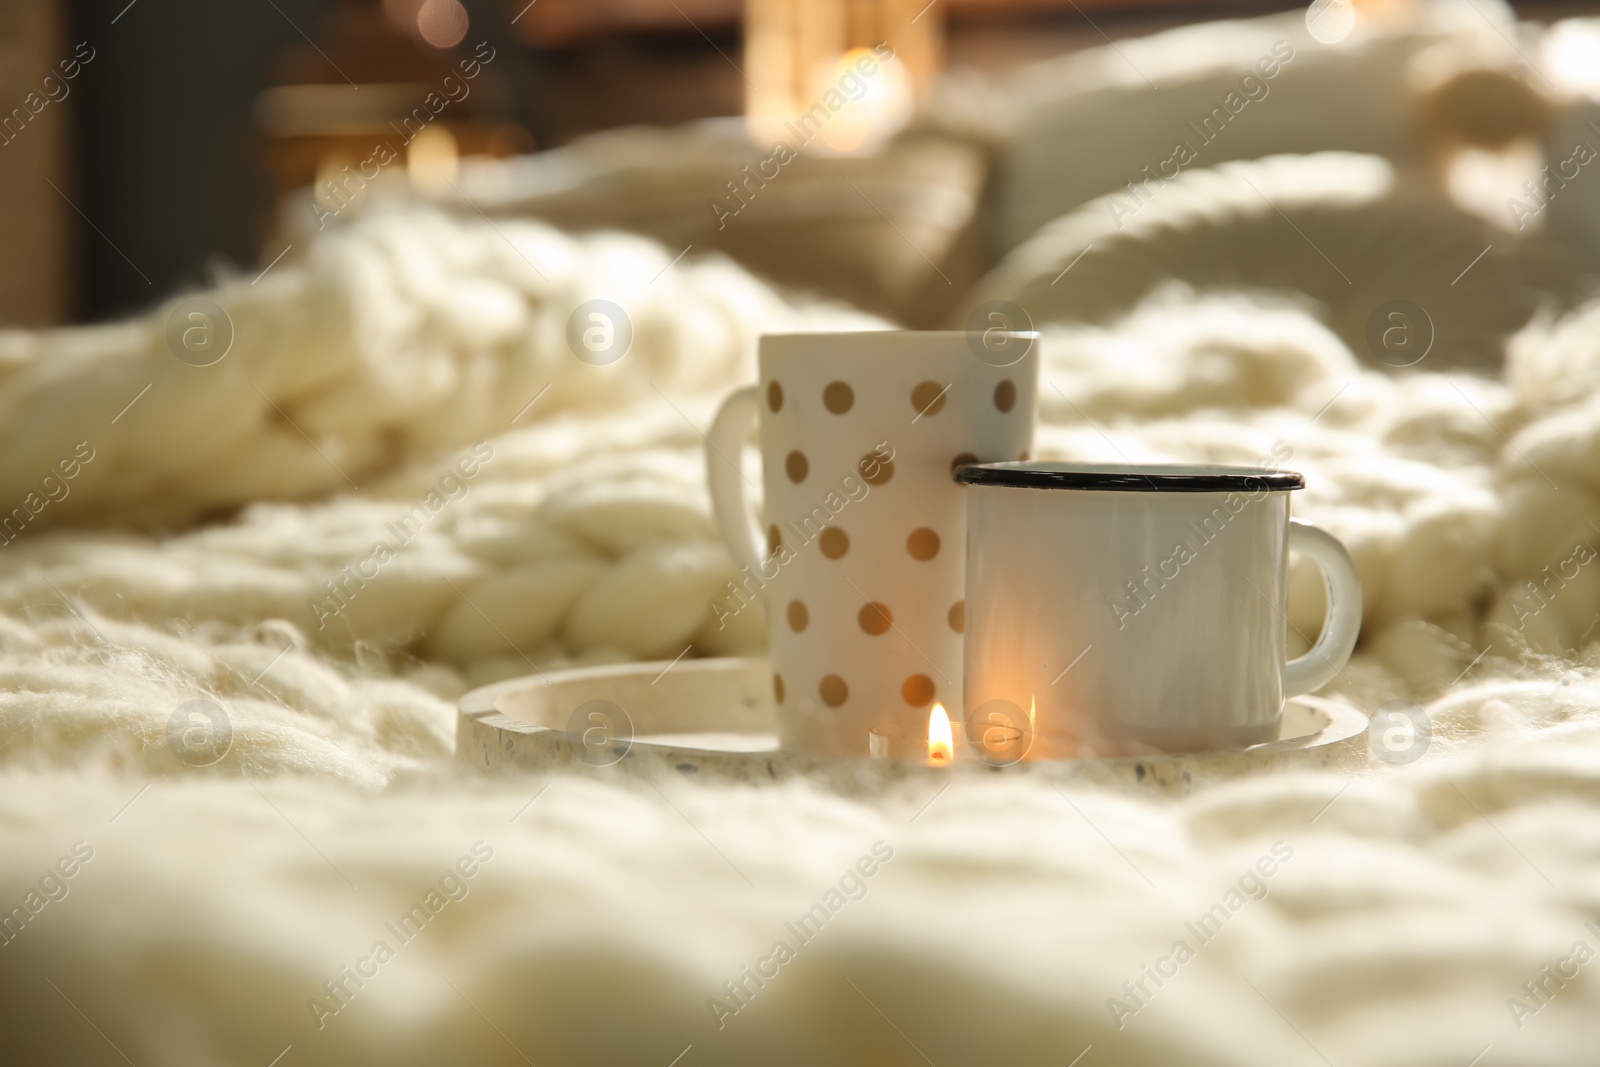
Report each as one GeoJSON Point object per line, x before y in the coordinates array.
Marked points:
{"type": "Point", "coordinates": [151, 147]}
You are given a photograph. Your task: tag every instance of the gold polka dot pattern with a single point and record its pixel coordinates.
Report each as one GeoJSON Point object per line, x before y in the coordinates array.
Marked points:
{"type": "Point", "coordinates": [874, 469]}
{"type": "Point", "coordinates": [918, 690]}
{"type": "Point", "coordinates": [838, 397]}
{"type": "Point", "coordinates": [923, 544]}
{"type": "Point", "coordinates": [1005, 395]}
{"type": "Point", "coordinates": [833, 690]}
{"type": "Point", "coordinates": [875, 618]}
{"type": "Point", "coordinates": [835, 542]}
{"type": "Point", "coordinates": [928, 397]}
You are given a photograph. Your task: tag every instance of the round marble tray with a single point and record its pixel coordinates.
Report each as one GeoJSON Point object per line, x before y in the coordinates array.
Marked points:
{"type": "Point", "coordinates": [713, 719]}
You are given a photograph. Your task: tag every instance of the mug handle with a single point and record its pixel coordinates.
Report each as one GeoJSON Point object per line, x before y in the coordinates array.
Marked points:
{"type": "Point", "coordinates": [724, 447]}
{"type": "Point", "coordinates": [1341, 625]}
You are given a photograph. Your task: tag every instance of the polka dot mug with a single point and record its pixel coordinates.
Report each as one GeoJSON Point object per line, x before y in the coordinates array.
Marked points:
{"type": "Point", "coordinates": [859, 556]}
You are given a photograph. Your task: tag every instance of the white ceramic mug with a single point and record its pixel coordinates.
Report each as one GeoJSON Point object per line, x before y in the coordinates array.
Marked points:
{"type": "Point", "coordinates": [1132, 609]}
{"type": "Point", "coordinates": [864, 529]}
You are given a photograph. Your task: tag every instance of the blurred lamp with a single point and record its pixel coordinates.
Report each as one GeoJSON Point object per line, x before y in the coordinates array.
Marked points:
{"type": "Point", "coordinates": [802, 55]}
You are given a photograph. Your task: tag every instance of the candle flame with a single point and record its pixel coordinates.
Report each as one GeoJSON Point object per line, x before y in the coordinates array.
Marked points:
{"type": "Point", "coordinates": [1033, 708]}
{"type": "Point", "coordinates": [940, 748]}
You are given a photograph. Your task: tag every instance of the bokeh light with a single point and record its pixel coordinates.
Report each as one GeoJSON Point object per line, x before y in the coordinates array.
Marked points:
{"type": "Point", "coordinates": [442, 23]}
{"type": "Point", "coordinates": [1330, 21]}
{"type": "Point", "coordinates": [877, 104]}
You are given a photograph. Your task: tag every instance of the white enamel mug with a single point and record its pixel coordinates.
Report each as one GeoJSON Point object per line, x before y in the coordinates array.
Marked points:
{"type": "Point", "coordinates": [861, 553]}
{"type": "Point", "coordinates": [1135, 609]}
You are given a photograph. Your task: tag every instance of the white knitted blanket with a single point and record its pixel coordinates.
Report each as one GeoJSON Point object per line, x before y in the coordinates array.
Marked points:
{"type": "Point", "coordinates": [335, 891]}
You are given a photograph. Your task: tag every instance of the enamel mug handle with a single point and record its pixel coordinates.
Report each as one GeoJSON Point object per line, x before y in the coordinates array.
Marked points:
{"type": "Point", "coordinates": [1342, 624]}
{"type": "Point", "coordinates": [724, 447]}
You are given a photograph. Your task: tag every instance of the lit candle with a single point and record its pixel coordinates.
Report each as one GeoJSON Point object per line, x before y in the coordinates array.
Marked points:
{"type": "Point", "coordinates": [941, 750]}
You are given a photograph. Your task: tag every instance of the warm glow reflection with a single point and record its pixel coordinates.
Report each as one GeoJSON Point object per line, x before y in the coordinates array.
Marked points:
{"type": "Point", "coordinates": [1330, 21]}
{"type": "Point", "coordinates": [333, 186]}
{"type": "Point", "coordinates": [432, 160]}
{"type": "Point", "coordinates": [875, 105]}
{"type": "Point", "coordinates": [940, 744]}
{"type": "Point", "coordinates": [1572, 56]}
{"type": "Point", "coordinates": [852, 103]}
{"type": "Point", "coordinates": [1493, 185]}
{"type": "Point", "coordinates": [442, 23]}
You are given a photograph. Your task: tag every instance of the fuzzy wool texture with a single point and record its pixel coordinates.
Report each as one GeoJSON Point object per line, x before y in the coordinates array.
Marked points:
{"type": "Point", "coordinates": [1406, 908]}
